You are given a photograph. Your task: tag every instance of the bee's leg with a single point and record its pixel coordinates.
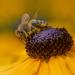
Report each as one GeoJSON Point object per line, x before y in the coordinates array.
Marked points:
{"type": "Point", "coordinates": [22, 35]}
{"type": "Point", "coordinates": [25, 34]}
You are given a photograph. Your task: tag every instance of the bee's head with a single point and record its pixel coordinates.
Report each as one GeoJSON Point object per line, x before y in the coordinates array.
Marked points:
{"type": "Point", "coordinates": [22, 29]}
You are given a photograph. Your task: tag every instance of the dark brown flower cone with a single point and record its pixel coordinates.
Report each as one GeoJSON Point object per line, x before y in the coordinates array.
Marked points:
{"type": "Point", "coordinates": [48, 43]}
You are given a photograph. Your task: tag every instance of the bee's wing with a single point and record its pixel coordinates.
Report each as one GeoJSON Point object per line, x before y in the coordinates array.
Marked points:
{"type": "Point", "coordinates": [35, 15]}
{"type": "Point", "coordinates": [29, 20]}
{"type": "Point", "coordinates": [25, 18]}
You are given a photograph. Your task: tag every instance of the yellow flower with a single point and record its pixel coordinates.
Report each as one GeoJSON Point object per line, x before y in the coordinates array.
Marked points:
{"type": "Point", "coordinates": [25, 65]}
{"type": "Point", "coordinates": [44, 51]}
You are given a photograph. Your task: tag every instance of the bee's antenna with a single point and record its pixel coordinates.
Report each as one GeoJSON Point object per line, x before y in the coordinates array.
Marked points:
{"type": "Point", "coordinates": [35, 15]}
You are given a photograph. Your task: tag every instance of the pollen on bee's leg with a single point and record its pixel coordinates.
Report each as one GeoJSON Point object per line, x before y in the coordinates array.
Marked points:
{"type": "Point", "coordinates": [48, 43]}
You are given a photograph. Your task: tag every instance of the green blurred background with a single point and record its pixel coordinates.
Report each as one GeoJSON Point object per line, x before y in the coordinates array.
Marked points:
{"type": "Point", "coordinates": [59, 13]}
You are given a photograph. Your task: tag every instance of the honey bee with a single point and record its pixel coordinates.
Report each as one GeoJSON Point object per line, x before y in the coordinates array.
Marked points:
{"type": "Point", "coordinates": [28, 26]}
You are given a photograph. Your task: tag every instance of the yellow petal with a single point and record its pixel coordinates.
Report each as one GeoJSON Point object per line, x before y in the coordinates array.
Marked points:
{"type": "Point", "coordinates": [57, 67]}
{"type": "Point", "coordinates": [44, 70]}
{"type": "Point", "coordinates": [28, 67]}
{"type": "Point", "coordinates": [54, 67]}
{"type": "Point", "coordinates": [10, 69]}
{"type": "Point", "coordinates": [71, 64]}
{"type": "Point", "coordinates": [11, 50]}
{"type": "Point", "coordinates": [63, 66]}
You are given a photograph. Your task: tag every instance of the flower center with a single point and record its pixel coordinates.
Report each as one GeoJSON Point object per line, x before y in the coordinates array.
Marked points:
{"type": "Point", "coordinates": [48, 43]}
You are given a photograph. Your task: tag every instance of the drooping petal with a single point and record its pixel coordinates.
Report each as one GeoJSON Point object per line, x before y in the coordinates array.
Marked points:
{"type": "Point", "coordinates": [28, 67]}
{"type": "Point", "coordinates": [64, 67]}
{"type": "Point", "coordinates": [58, 67]}
{"type": "Point", "coordinates": [44, 70]}
{"type": "Point", "coordinates": [11, 50]}
{"type": "Point", "coordinates": [70, 61]}
{"type": "Point", "coordinates": [54, 67]}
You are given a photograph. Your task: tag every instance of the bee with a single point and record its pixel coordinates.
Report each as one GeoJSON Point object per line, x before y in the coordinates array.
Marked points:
{"type": "Point", "coordinates": [29, 26]}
